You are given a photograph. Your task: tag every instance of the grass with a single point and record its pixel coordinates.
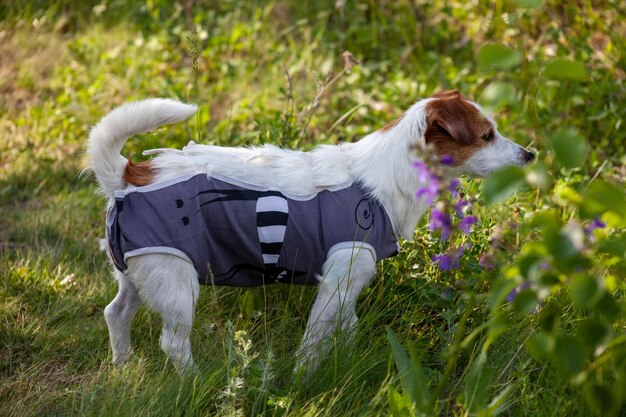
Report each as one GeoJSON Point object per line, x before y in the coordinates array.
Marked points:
{"type": "Point", "coordinates": [255, 68]}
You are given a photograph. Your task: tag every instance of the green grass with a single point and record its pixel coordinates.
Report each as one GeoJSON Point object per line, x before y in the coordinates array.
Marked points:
{"type": "Point", "coordinates": [255, 68]}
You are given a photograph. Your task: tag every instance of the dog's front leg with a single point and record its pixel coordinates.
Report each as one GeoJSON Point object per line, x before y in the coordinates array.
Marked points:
{"type": "Point", "coordinates": [346, 273]}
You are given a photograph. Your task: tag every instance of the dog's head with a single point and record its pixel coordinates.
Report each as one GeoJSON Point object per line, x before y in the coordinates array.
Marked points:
{"type": "Point", "coordinates": [456, 127]}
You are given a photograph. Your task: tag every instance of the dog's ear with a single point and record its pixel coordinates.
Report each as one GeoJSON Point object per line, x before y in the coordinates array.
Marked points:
{"type": "Point", "coordinates": [450, 117]}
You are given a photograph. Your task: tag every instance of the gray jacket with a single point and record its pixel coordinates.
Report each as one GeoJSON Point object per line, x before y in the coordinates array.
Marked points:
{"type": "Point", "coordinates": [237, 234]}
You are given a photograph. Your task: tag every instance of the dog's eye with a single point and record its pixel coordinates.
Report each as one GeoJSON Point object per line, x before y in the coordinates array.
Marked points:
{"type": "Point", "coordinates": [488, 136]}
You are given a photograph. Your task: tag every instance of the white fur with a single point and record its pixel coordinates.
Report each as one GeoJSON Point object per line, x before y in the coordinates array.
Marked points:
{"type": "Point", "coordinates": [345, 274]}
{"type": "Point", "coordinates": [107, 138]}
{"type": "Point", "coordinates": [499, 153]}
{"type": "Point", "coordinates": [381, 162]}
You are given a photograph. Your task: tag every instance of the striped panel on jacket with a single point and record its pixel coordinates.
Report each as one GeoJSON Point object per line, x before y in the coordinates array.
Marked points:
{"type": "Point", "coordinates": [272, 213]}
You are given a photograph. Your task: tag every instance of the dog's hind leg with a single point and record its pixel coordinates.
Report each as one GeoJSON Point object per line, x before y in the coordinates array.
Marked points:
{"type": "Point", "coordinates": [346, 273]}
{"type": "Point", "coordinates": [169, 285]}
{"type": "Point", "coordinates": [119, 316]}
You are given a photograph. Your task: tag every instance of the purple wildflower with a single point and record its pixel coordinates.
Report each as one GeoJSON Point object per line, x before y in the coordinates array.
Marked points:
{"type": "Point", "coordinates": [595, 224]}
{"type": "Point", "coordinates": [466, 224]}
{"type": "Point", "coordinates": [454, 187]}
{"type": "Point", "coordinates": [445, 261]}
{"type": "Point", "coordinates": [515, 291]}
{"type": "Point", "coordinates": [429, 193]}
{"type": "Point", "coordinates": [450, 259]}
{"type": "Point", "coordinates": [447, 160]}
{"type": "Point", "coordinates": [459, 206]}
{"type": "Point", "coordinates": [440, 220]}
{"type": "Point", "coordinates": [430, 183]}
{"type": "Point", "coordinates": [486, 261]}
{"type": "Point", "coordinates": [423, 173]}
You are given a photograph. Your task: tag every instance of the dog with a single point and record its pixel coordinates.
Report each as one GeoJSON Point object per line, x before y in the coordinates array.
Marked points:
{"type": "Point", "coordinates": [257, 215]}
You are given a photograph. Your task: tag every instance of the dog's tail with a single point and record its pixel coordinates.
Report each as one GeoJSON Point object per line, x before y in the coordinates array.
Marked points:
{"type": "Point", "coordinates": [108, 137]}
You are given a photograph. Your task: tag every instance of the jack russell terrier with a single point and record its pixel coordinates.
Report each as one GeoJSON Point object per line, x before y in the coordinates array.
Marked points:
{"type": "Point", "coordinates": [253, 216]}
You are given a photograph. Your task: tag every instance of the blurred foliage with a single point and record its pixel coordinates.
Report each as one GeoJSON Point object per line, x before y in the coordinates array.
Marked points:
{"type": "Point", "coordinates": [552, 72]}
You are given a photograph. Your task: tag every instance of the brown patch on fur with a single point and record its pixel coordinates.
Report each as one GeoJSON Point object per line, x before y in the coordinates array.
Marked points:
{"type": "Point", "coordinates": [140, 173]}
{"type": "Point", "coordinates": [390, 125]}
{"type": "Point", "coordinates": [455, 127]}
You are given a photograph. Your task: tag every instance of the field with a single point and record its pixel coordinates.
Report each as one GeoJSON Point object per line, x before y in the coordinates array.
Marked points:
{"type": "Point", "coordinates": [431, 340]}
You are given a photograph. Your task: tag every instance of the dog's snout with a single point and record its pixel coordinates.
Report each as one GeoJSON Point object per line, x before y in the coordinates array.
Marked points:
{"type": "Point", "coordinates": [528, 157]}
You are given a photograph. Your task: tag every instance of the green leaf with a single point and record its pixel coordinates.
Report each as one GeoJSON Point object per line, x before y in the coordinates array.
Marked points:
{"type": "Point", "coordinates": [246, 302]}
{"type": "Point", "coordinates": [561, 247]}
{"type": "Point", "coordinates": [603, 399]}
{"type": "Point", "coordinates": [529, 265]}
{"type": "Point", "coordinates": [565, 69]}
{"type": "Point", "coordinates": [525, 302]}
{"type": "Point", "coordinates": [498, 402]}
{"type": "Point", "coordinates": [541, 345]}
{"type": "Point", "coordinates": [569, 146]}
{"type": "Point", "coordinates": [414, 381]}
{"type": "Point", "coordinates": [585, 291]}
{"type": "Point", "coordinates": [399, 405]}
{"type": "Point", "coordinates": [608, 308]}
{"type": "Point", "coordinates": [549, 318]}
{"type": "Point", "coordinates": [615, 247]}
{"type": "Point", "coordinates": [495, 56]}
{"type": "Point", "coordinates": [569, 355]}
{"type": "Point", "coordinates": [592, 332]}
{"type": "Point", "coordinates": [565, 246]}
{"type": "Point", "coordinates": [566, 193]}
{"type": "Point", "coordinates": [477, 384]}
{"type": "Point", "coordinates": [535, 247]}
{"type": "Point", "coordinates": [498, 325]}
{"type": "Point", "coordinates": [497, 95]}
{"type": "Point", "coordinates": [601, 197]}
{"type": "Point", "coordinates": [548, 279]}
{"type": "Point", "coordinates": [546, 219]}
{"type": "Point", "coordinates": [503, 183]}
{"type": "Point", "coordinates": [538, 177]}
{"type": "Point", "coordinates": [579, 262]}
{"type": "Point", "coordinates": [498, 292]}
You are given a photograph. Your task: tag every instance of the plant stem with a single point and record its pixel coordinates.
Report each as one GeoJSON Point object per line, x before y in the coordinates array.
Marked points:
{"type": "Point", "coordinates": [458, 338]}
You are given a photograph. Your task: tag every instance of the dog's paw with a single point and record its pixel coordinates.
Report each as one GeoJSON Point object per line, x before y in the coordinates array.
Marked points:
{"type": "Point", "coordinates": [120, 358]}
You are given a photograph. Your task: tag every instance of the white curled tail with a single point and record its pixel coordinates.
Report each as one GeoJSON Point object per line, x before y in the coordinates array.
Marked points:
{"type": "Point", "coordinates": [108, 137]}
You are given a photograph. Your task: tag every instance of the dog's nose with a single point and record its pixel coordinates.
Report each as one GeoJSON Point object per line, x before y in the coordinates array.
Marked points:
{"type": "Point", "coordinates": [529, 156]}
